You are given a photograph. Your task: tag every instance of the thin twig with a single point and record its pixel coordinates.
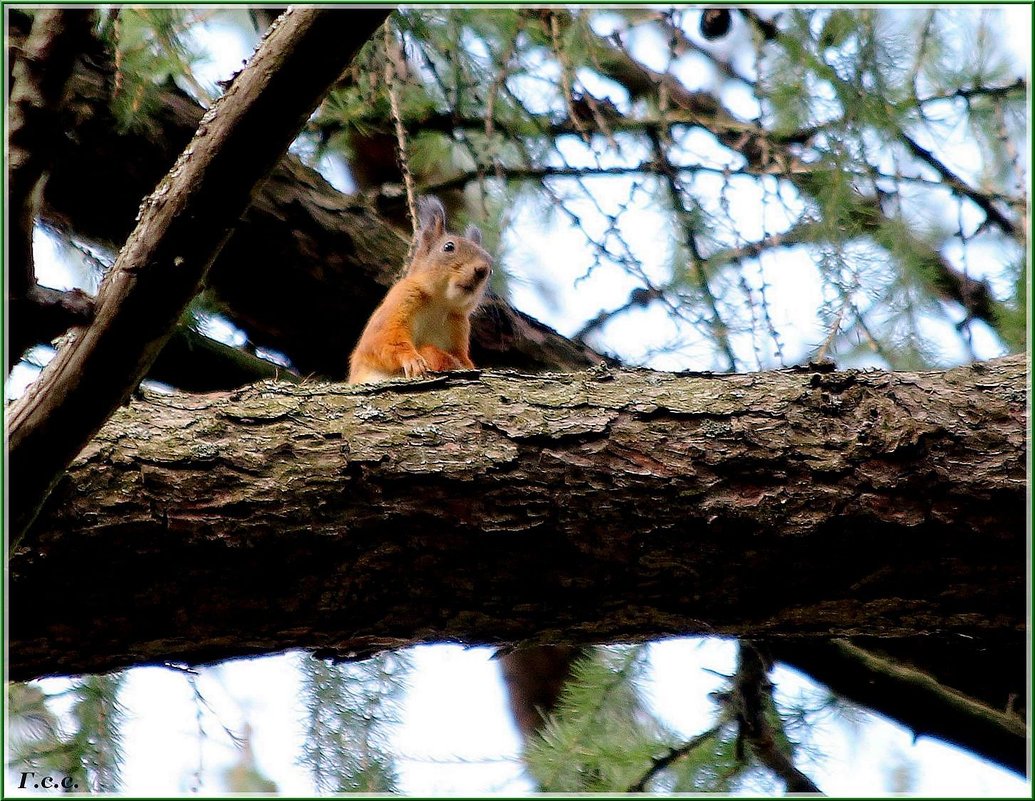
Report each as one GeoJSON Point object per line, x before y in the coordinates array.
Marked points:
{"type": "Point", "coordinates": [719, 328]}
{"type": "Point", "coordinates": [660, 763]}
{"type": "Point", "coordinates": [400, 131]}
{"type": "Point", "coordinates": [1018, 87]}
{"type": "Point", "coordinates": [957, 184]}
{"type": "Point", "coordinates": [566, 76]}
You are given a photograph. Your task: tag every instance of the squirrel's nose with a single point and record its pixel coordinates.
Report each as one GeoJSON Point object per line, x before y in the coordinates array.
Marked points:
{"type": "Point", "coordinates": [481, 271]}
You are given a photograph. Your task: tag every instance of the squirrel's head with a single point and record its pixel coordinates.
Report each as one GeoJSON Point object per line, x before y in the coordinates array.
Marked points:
{"type": "Point", "coordinates": [457, 267]}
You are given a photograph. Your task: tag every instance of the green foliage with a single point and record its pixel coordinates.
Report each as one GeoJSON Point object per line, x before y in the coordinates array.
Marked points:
{"type": "Point", "coordinates": [35, 740]}
{"type": "Point", "coordinates": [601, 738]}
{"type": "Point", "coordinates": [84, 745]}
{"type": "Point", "coordinates": [349, 709]}
{"type": "Point", "coordinates": [1012, 323]}
{"type": "Point", "coordinates": [152, 47]}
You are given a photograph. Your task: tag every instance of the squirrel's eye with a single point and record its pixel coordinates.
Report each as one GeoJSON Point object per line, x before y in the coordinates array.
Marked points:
{"type": "Point", "coordinates": [449, 247]}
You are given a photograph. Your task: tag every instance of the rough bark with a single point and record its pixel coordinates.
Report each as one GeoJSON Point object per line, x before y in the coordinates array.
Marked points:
{"type": "Point", "coordinates": [183, 226]}
{"type": "Point", "coordinates": [304, 266]}
{"type": "Point", "coordinates": [492, 508]}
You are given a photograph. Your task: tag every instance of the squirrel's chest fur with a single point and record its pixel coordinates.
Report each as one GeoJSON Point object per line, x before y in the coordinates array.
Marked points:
{"type": "Point", "coordinates": [431, 326]}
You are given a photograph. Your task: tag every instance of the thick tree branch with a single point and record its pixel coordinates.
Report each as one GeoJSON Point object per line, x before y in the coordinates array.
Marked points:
{"type": "Point", "coordinates": [194, 362]}
{"type": "Point", "coordinates": [504, 509]}
{"type": "Point", "coordinates": [189, 360]}
{"type": "Point", "coordinates": [183, 225]}
{"type": "Point", "coordinates": [42, 314]}
{"type": "Point", "coordinates": [912, 697]}
{"type": "Point", "coordinates": [991, 671]}
{"type": "Point", "coordinates": [39, 75]}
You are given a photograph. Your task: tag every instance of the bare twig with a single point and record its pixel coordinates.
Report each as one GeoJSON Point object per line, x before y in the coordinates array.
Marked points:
{"type": "Point", "coordinates": [1020, 175]}
{"type": "Point", "coordinates": [662, 762]}
{"type": "Point", "coordinates": [641, 296]}
{"type": "Point", "coordinates": [390, 48]}
{"type": "Point", "coordinates": [1017, 87]}
{"type": "Point", "coordinates": [718, 326]}
{"type": "Point", "coordinates": [958, 185]}
{"type": "Point", "coordinates": [567, 72]}
{"type": "Point", "coordinates": [763, 151]}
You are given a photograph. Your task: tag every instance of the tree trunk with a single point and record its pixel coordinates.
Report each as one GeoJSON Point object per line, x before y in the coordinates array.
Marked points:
{"type": "Point", "coordinates": [490, 508]}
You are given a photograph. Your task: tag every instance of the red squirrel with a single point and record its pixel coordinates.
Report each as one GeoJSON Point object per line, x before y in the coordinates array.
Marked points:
{"type": "Point", "coordinates": [424, 322]}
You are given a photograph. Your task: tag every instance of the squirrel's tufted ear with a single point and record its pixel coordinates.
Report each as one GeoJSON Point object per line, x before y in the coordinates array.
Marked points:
{"type": "Point", "coordinates": [432, 225]}
{"type": "Point", "coordinates": [473, 233]}
{"type": "Point", "coordinates": [432, 216]}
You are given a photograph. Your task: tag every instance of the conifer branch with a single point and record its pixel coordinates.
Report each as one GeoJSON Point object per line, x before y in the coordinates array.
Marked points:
{"type": "Point", "coordinates": [959, 186]}
{"type": "Point", "coordinates": [1018, 87]}
{"type": "Point", "coordinates": [766, 152]}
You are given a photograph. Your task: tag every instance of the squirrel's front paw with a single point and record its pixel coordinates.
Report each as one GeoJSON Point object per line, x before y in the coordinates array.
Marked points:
{"type": "Point", "coordinates": [415, 367]}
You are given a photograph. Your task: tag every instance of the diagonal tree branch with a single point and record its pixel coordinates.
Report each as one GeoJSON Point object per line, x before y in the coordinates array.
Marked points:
{"type": "Point", "coordinates": [193, 362]}
{"type": "Point", "coordinates": [305, 265]}
{"type": "Point", "coordinates": [183, 225]}
{"type": "Point", "coordinates": [912, 697]}
{"type": "Point", "coordinates": [961, 187]}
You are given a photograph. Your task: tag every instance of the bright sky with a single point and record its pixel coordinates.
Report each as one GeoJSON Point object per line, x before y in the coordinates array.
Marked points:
{"type": "Point", "coordinates": [456, 736]}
